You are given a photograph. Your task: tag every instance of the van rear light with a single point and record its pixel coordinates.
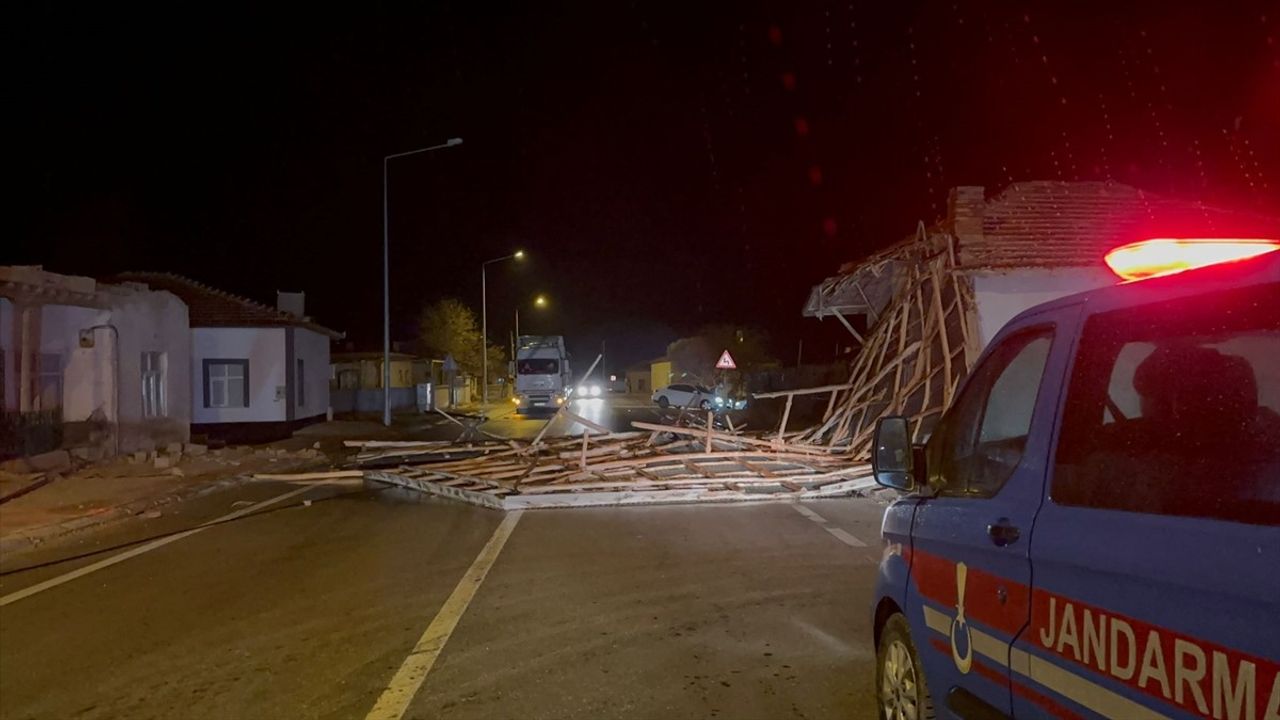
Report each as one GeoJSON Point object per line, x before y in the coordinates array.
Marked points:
{"type": "Point", "coordinates": [1166, 256]}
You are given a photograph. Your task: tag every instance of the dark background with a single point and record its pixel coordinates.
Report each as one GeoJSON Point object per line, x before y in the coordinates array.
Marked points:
{"type": "Point", "coordinates": [664, 164]}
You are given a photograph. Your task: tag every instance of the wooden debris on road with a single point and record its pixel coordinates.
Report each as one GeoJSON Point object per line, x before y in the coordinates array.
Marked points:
{"type": "Point", "coordinates": [651, 464]}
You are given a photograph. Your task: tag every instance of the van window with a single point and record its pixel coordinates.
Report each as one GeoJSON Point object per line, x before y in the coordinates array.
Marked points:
{"type": "Point", "coordinates": [1173, 408]}
{"type": "Point", "coordinates": [983, 437]}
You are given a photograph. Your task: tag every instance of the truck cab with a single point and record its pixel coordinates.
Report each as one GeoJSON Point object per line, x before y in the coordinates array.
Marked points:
{"type": "Point", "coordinates": [1093, 527]}
{"type": "Point", "coordinates": [542, 373]}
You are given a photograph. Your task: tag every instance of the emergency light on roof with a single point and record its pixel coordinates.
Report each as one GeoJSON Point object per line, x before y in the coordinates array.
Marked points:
{"type": "Point", "coordinates": [1166, 256]}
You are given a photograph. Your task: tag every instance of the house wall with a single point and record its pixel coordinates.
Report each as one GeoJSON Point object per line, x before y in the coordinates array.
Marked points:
{"type": "Point", "coordinates": [638, 381]}
{"type": "Point", "coordinates": [8, 359]}
{"type": "Point", "coordinates": [659, 375]}
{"type": "Point", "coordinates": [1000, 295]}
{"type": "Point", "coordinates": [371, 374]}
{"type": "Point", "coordinates": [264, 348]}
{"type": "Point", "coordinates": [88, 375]}
{"type": "Point", "coordinates": [313, 349]}
{"type": "Point", "coordinates": [151, 322]}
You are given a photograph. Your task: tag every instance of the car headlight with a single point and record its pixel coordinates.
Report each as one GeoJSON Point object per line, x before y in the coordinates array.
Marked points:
{"type": "Point", "coordinates": [595, 391]}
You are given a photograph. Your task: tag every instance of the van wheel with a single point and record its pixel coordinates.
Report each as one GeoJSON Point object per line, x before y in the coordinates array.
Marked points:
{"type": "Point", "coordinates": [901, 692]}
{"type": "Point", "coordinates": [663, 402]}
{"type": "Point", "coordinates": [705, 405]}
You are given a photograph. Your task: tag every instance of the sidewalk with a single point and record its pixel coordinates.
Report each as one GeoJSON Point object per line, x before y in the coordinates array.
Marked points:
{"type": "Point", "coordinates": [114, 490]}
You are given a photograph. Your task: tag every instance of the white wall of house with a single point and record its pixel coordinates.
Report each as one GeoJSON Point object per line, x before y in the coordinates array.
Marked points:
{"type": "Point", "coordinates": [152, 322]}
{"type": "Point", "coordinates": [312, 349]}
{"type": "Point", "coordinates": [1000, 295]}
{"type": "Point", "coordinates": [87, 378]}
{"type": "Point", "coordinates": [264, 349]}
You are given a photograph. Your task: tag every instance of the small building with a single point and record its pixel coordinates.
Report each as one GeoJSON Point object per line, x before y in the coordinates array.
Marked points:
{"type": "Point", "coordinates": [257, 372]}
{"type": "Point", "coordinates": [356, 381]}
{"type": "Point", "coordinates": [101, 368]}
{"type": "Point", "coordinates": [929, 304]}
{"type": "Point", "coordinates": [639, 380]}
{"type": "Point", "coordinates": [661, 373]}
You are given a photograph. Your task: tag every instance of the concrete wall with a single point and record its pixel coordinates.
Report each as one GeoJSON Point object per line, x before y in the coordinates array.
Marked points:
{"type": "Point", "coordinates": [151, 322]}
{"type": "Point", "coordinates": [264, 348]}
{"type": "Point", "coordinates": [1002, 295]}
{"type": "Point", "coordinates": [370, 401]}
{"type": "Point", "coordinates": [312, 349]}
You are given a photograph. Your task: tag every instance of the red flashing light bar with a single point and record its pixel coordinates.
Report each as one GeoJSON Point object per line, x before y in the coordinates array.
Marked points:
{"type": "Point", "coordinates": [1166, 256]}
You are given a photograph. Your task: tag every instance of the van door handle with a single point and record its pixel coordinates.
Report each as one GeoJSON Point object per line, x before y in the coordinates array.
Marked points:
{"type": "Point", "coordinates": [1002, 532]}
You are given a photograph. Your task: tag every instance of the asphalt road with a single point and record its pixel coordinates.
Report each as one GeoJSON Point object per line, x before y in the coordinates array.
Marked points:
{"type": "Point", "coordinates": [615, 412]}
{"type": "Point", "coordinates": [315, 605]}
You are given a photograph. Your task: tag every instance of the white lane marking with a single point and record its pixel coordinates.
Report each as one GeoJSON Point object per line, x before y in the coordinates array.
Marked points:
{"type": "Point", "coordinates": [836, 532]}
{"type": "Point", "coordinates": [846, 538]}
{"type": "Point", "coordinates": [809, 514]}
{"type": "Point", "coordinates": [404, 685]}
{"type": "Point", "coordinates": [101, 564]}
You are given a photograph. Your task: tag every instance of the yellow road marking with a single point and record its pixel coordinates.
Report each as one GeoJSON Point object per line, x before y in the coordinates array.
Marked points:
{"type": "Point", "coordinates": [404, 685]}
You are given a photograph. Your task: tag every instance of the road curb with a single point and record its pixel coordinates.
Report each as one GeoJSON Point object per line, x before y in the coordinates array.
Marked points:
{"type": "Point", "coordinates": [29, 538]}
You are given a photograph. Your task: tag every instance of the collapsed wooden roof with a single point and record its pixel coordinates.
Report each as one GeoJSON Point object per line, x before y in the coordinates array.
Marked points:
{"type": "Point", "coordinates": [1040, 224]}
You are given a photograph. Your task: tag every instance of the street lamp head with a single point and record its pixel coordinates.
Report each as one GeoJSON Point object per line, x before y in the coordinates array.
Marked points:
{"type": "Point", "coordinates": [519, 255]}
{"type": "Point", "coordinates": [451, 142]}
{"type": "Point", "coordinates": [540, 301]}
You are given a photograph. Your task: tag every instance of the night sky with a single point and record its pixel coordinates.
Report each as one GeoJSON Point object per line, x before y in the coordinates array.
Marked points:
{"type": "Point", "coordinates": [665, 165]}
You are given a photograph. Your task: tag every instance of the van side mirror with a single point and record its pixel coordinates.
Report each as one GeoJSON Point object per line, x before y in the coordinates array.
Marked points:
{"type": "Point", "coordinates": [893, 461]}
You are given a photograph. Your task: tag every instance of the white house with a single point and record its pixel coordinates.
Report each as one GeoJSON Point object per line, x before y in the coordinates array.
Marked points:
{"type": "Point", "coordinates": [89, 365]}
{"type": "Point", "coordinates": [257, 372]}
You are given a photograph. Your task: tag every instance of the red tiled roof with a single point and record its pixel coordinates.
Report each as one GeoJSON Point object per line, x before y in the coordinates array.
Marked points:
{"type": "Point", "coordinates": [1051, 224]}
{"type": "Point", "coordinates": [210, 307]}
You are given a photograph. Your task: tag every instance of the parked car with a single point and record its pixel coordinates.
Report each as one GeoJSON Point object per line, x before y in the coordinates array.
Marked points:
{"type": "Point", "coordinates": [695, 396]}
{"type": "Point", "coordinates": [1092, 528]}
{"type": "Point", "coordinates": [680, 395]}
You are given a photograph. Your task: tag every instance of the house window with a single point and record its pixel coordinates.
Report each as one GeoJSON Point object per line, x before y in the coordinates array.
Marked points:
{"type": "Point", "coordinates": [302, 385]}
{"type": "Point", "coordinates": [153, 371]}
{"type": "Point", "coordinates": [49, 382]}
{"type": "Point", "coordinates": [226, 383]}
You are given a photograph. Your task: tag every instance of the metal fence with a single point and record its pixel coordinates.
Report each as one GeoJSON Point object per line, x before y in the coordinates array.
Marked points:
{"type": "Point", "coordinates": [30, 433]}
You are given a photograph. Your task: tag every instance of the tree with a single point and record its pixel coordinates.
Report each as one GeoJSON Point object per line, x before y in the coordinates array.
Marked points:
{"type": "Point", "coordinates": [449, 327]}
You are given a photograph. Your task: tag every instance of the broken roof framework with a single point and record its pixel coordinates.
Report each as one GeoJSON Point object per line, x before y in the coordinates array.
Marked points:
{"type": "Point", "coordinates": [919, 348]}
{"type": "Point", "coordinates": [919, 301]}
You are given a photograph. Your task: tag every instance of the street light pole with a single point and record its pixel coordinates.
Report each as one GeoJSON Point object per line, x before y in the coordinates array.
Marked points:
{"type": "Point", "coordinates": [484, 324]}
{"type": "Point", "coordinates": [386, 276]}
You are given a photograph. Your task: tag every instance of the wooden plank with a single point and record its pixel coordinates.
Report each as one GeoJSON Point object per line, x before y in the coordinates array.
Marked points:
{"type": "Point", "coordinates": [786, 413]}
{"type": "Point", "coordinates": [295, 477]}
{"type": "Point", "coordinates": [802, 391]}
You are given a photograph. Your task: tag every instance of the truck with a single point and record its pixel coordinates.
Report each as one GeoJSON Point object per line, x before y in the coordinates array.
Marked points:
{"type": "Point", "coordinates": [542, 373]}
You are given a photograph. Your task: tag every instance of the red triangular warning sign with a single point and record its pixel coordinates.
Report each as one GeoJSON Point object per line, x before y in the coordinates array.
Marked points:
{"type": "Point", "coordinates": [726, 362]}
